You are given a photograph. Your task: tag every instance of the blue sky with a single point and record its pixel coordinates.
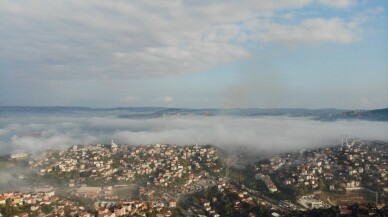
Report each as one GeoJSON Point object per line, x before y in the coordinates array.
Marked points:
{"type": "Point", "coordinates": [200, 54]}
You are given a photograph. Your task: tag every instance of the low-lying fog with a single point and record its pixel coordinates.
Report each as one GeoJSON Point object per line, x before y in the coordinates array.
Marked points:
{"type": "Point", "coordinates": [268, 134]}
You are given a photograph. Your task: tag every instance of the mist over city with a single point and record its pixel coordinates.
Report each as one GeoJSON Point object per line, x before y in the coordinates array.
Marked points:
{"type": "Point", "coordinates": [268, 134]}
{"type": "Point", "coordinates": [182, 108]}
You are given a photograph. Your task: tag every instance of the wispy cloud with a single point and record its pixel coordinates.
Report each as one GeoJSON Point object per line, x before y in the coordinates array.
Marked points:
{"type": "Point", "coordinates": [314, 30]}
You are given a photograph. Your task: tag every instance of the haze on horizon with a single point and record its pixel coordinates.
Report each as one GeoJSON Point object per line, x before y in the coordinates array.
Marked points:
{"type": "Point", "coordinates": [195, 54]}
{"type": "Point", "coordinates": [265, 134]}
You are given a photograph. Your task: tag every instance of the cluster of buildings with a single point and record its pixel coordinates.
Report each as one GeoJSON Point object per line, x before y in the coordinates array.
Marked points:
{"type": "Point", "coordinates": [18, 155]}
{"type": "Point", "coordinates": [159, 171]}
{"type": "Point", "coordinates": [93, 159]}
{"type": "Point", "coordinates": [35, 199]}
{"type": "Point", "coordinates": [165, 165]}
{"type": "Point", "coordinates": [239, 202]}
{"type": "Point", "coordinates": [164, 173]}
{"type": "Point", "coordinates": [31, 204]}
{"type": "Point", "coordinates": [312, 202]}
{"type": "Point", "coordinates": [267, 181]}
{"type": "Point", "coordinates": [162, 164]}
{"type": "Point", "coordinates": [362, 209]}
{"type": "Point", "coordinates": [137, 208]}
{"type": "Point", "coordinates": [67, 207]}
{"type": "Point", "coordinates": [354, 166]}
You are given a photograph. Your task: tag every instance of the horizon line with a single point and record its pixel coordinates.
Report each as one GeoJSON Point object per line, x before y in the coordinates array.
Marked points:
{"type": "Point", "coordinates": [167, 107]}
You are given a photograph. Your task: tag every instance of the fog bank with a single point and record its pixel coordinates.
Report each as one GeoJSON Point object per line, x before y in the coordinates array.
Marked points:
{"type": "Point", "coordinates": [267, 134]}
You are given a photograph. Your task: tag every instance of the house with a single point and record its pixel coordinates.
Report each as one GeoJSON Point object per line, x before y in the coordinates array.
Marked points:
{"type": "Point", "coordinates": [84, 214]}
{"type": "Point", "coordinates": [2, 199]}
{"type": "Point", "coordinates": [110, 214]}
{"type": "Point", "coordinates": [172, 203]}
{"type": "Point", "coordinates": [120, 211]}
{"type": "Point", "coordinates": [34, 207]}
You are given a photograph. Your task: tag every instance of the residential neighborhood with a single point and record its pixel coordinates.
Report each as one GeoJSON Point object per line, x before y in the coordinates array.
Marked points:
{"type": "Point", "coordinates": [197, 180]}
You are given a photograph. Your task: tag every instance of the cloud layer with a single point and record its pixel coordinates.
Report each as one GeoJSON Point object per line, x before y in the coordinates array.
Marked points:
{"type": "Point", "coordinates": [136, 39]}
{"type": "Point", "coordinates": [269, 134]}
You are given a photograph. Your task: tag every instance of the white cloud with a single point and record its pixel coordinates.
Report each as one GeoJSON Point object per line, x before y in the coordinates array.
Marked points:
{"type": "Point", "coordinates": [337, 3]}
{"type": "Point", "coordinates": [134, 39]}
{"type": "Point", "coordinates": [166, 99]}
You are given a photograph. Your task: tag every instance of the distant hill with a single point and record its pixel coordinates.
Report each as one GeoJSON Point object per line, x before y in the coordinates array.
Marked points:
{"type": "Point", "coordinates": [251, 112]}
{"type": "Point", "coordinates": [157, 112]}
{"type": "Point", "coordinates": [370, 115]}
{"type": "Point", "coordinates": [65, 110]}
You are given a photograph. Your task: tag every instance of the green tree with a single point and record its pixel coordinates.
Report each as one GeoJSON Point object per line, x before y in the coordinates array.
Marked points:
{"type": "Point", "coordinates": [46, 209]}
{"type": "Point", "coordinates": [67, 210]}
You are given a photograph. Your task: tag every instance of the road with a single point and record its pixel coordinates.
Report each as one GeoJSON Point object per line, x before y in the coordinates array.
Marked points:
{"type": "Point", "coordinates": [331, 203]}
